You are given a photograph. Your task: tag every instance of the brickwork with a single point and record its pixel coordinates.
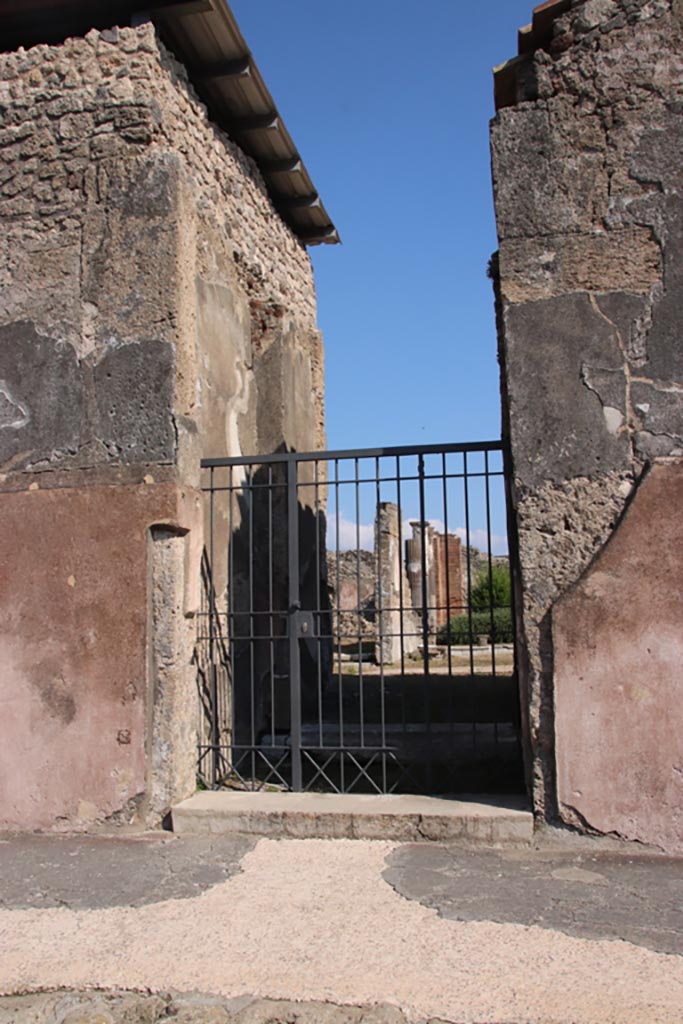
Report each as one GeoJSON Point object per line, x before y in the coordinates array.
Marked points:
{"type": "Point", "coordinates": [449, 595]}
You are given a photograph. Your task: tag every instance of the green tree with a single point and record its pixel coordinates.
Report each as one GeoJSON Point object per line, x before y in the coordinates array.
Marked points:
{"type": "Point", "coordinates": [491, 591]}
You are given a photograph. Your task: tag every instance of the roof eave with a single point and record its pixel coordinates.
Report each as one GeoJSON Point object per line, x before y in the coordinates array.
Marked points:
{"type": "Point", "coordinates": [206, 39]}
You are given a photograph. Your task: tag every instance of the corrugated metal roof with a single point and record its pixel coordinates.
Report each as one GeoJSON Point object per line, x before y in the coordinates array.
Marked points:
{"type": "Point", "coordinates": [205, 37]}
{"type": "Point", "coordinates": [536, 36]}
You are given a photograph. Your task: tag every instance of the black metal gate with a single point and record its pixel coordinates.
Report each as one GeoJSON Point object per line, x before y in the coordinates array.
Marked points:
{"type": "Point", "coordinates": [356, 630]}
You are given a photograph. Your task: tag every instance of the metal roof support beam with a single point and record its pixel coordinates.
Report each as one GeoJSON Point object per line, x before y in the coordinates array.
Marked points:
{"type": "Point", "coordinates": [221, 69]}
{"type": "Point", "coordinates": [309, 202]}
{"type": "Point", "coordinates": [292, 166]}
{"type": "Point", "coordinates": [180, 8]}
{"type": "Point", "coordinates": [257, 123]}
{"type": "Point", "coordinates": [316, 236]}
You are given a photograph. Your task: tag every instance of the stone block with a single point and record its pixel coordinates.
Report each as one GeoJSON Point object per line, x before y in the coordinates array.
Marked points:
{"type": "Point", "coordinates": [350, 816]}
{"type": "Point", "coordinates": [560, 427]}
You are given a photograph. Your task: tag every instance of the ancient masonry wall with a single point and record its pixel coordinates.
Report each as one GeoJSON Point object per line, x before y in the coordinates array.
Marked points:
{"type": "Point", "coordinates": [588, 178]}
{"type": "Point", "coordinates": [153, 308]}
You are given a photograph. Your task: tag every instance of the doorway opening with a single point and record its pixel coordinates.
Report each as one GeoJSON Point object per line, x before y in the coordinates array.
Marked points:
{"type": "Point", "coordinates": [356, 633]}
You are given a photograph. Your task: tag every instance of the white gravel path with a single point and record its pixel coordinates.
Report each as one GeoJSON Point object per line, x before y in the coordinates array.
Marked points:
{"type": "Point", "coordinates": [313, 919]}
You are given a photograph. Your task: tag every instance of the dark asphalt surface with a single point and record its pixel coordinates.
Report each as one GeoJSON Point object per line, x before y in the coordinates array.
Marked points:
{"type": "Point", "coordinates": [597, 895]}
{"type": "Point", "coordinates": [93, 872]}
{"type": "Point", "coordinates": [612, 893]}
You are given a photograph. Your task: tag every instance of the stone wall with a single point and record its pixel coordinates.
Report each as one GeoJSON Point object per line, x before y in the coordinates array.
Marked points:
{"type": "Point", "coordinates": [153, 308]}
{"type": "Point", "coordinates": [351, 582]}
{"type": "Point", "coordinates": [587, 177]}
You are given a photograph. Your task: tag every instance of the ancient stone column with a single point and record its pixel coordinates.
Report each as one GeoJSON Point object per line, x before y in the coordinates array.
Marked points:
{"type": "Point", "coordinates": [423, 535]}
{"type": "Point", "coordinates": [396, 626]}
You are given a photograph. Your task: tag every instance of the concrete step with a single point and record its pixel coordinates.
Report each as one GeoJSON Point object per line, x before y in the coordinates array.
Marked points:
{"type": "Point", "coordinates": [486, 820]}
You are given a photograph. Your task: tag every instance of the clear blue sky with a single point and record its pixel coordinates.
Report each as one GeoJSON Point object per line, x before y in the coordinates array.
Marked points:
{"type": "Point", "coordinates": [388, 102]}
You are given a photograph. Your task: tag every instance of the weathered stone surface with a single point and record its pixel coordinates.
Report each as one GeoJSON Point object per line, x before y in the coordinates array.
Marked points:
{"type": "Point", "coordinates": [154, 308]}
{"type": "Point", "coordinates": [626, 260]}
{"type": "Point", "coordinates": [560, 427]}
{"type": "Point", "coordinates": [618, 676]}
{"type": "Point", "coordinates": [42, 391]}
{"type": "Point", "coordinates": [587, 181]}
{"type": "Point", "coordinates": [133, 392]}
{"type": "Point", "coordinates": [121, 1007]}
{"type": "Point", "coordinates": [659, 408]}
{"type": "Point", "coordinates": [546, 183]}
{"type": "Point", "coordinates": [171, 709]}
{"type": "Point", "coordinates": [394, 816]}
{"type": "Point", "coordinates": [57, 410]}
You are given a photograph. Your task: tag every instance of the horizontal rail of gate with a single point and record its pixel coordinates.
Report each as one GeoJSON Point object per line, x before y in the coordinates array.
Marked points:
{"type": "Point", "coordinates": [355, 633]}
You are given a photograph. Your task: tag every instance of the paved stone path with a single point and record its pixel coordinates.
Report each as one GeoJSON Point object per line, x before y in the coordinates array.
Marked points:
{"type": "Point", "coordinates": [549, 935]}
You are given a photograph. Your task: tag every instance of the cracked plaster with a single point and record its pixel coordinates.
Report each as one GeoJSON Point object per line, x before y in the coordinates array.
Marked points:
{"type": "Point", "coordinates": [587, 182]}
{"type": "Point", "coordinates": [141, 262]}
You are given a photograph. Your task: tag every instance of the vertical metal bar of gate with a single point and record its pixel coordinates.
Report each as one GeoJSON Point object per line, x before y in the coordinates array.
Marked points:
{"type": "Point", "coordinates": [215, 728]}
{"type": "Point", "coordinates": [294, 600]}
{"type": "Point", "coordinates": [360, 719]}
{"type": "Point", "coordinates": [425, 609]}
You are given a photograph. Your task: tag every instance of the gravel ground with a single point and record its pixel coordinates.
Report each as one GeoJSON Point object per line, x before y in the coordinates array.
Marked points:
{"type": "Point", "coordinates": [316, 920]}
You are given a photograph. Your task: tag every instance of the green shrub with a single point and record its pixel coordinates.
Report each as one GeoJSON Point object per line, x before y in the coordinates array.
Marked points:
{"type": "Point", "coordinates": [496, 628]}
{"type": "Point", "coordinates": [491, 590]}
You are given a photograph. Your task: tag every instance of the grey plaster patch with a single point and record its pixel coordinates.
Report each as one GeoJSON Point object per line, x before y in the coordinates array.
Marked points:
{"type": "Point", "coordinates": [537, 194]}
{"type": "Point", "coordinates": [94, 872]}
{"type": "Point", "coordinates": [659, 408]}
{"type": "Point", "coordinates": [41, 375]}
{"type": "Point", "coordinates": [597, 896]}
{"type": "Point", "coordinates": [628, 313]}
{"type": "Point", "coordinates": [656, 161]}
{"type": "Point", "coordinates": [554, 343]}
{"type": "Point", "coordinates": [56, 404]}
{"type": "Point", "coordinates": [133, 388]}
{"type": "Point", "coordinates": [13, 413]}
{"type": "Point", "coordinates": [610, 387]}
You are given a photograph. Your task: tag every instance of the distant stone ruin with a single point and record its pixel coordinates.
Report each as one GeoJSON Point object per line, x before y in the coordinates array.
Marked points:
{"type": "Point", "coordinates": [378, 596]}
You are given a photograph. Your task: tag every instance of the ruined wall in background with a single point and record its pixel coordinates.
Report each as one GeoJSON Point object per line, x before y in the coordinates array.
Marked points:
{"type": "Point", "coordinates": [153, 308]}
{"type": "Point", "coordinates": [588, 176]}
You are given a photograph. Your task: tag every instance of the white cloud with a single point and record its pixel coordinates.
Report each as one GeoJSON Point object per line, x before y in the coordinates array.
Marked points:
{"type": "Point", "coordinates": [479, 539]}
{"type": "Point", "coordinates": [350, 536]}
{"type": "Point", "coordinates": [364, 536]}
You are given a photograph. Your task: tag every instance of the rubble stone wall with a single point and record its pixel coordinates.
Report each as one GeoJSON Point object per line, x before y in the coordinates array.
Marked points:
{"type": "Point", "coordinates": [588, 178]}
{"type": "Point", "coordinates": [153, 308]}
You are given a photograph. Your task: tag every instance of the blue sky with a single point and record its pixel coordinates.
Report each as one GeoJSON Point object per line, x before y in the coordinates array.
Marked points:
{"type": "Point", "coordinates": [388, 102]}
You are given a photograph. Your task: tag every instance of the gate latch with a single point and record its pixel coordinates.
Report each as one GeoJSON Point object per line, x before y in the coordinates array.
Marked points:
{"type": "Point", "coordinates": [303, 624]}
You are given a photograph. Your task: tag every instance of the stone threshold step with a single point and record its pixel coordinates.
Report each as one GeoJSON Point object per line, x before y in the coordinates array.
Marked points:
{"type": "Point", "coordinates": [487, 820]}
